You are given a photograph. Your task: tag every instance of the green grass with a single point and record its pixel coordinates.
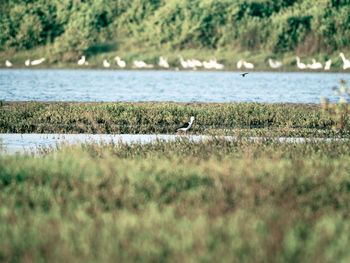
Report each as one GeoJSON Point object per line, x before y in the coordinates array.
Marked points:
{"type": "Point", "coordinates": [180, 201]}
{"type": "Point", "coordinates": [211, 118]}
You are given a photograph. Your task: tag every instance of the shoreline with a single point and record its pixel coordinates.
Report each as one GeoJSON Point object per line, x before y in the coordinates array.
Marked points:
{"type": "Point", "coordinates": [197, 104]}
{"type": "Point", "coordinates": [175, 69]}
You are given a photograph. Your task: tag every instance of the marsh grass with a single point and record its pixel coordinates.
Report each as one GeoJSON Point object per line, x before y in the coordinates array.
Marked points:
{"type": "Point", "coordinates": [164, 117]}
{"type": "Point", "coordinates": [177, 201]}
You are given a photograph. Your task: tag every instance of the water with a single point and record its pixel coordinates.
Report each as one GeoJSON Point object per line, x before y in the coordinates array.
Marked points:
{"type": "Point", "coordinates": [179, 86]}
{"type": "Point", "coordinates": [31, 142]}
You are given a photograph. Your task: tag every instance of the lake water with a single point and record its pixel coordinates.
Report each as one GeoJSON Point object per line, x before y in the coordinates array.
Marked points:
{"type": "Point", "coordinates": [179, 86]}
{"type": "Point", "coordinates": [30, 142]}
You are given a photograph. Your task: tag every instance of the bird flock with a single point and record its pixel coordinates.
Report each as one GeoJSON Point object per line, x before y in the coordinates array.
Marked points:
{"type": "Point", "coordinates": [195, 63]}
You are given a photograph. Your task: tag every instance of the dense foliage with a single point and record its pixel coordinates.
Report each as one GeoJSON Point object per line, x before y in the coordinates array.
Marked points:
{"type": "Point", "coordinates": [215, 201]}
{"type": "Point", "coordinates": [62, 117]}
{"type": "Point", "coordinates": [305, 26]}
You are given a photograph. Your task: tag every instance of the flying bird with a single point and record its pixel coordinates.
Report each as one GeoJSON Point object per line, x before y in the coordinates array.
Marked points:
{"type": "Point", "coordinates": [243, 74]}
{"type": "Point", "coordinates": [186, 126]}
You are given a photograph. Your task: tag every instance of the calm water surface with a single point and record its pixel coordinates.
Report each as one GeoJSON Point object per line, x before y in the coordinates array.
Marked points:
{"type": "Point", "coordinates": [31, 142]}
{"type": "Point", "coordinates": [180, 86]}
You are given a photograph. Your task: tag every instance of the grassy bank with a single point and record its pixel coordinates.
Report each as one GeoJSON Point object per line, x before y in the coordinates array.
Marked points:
{"type": "Point", "coordinates": [227, 57]}
{"type": "Point", "coordinates": [178, 202]}
{"type": "Point", "coordinates": [223, 118]}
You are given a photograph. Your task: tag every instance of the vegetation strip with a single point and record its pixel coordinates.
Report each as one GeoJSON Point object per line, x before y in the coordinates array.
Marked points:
{"type": "Point", "coordinates": [164, 117]}
{"type": "Point", "coordinates": [177, 201]}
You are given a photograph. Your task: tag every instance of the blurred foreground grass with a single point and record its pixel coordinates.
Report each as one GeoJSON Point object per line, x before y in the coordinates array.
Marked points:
{"type": "Point", "coordinates": [281, 119]}
{"type": "Point", "coordinates": [214, 201]}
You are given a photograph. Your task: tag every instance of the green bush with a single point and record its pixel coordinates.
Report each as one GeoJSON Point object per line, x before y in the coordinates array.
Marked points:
{"type": "Point", "coordinates": [274, 26]}
{"type": "Point", "coordinates": [29, 31]}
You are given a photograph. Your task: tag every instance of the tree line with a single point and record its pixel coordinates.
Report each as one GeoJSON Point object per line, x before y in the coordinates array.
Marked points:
{"type": "Point", "coordinates": [278, 26]}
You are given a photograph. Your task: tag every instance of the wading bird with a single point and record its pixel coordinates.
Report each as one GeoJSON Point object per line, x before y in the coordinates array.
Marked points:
{"type": "Point", "coordinates": [239, 63]}
{"type": "Point", "coordinates": [328, 64]}
{"type": "Point", "coordinates": [106, 64]}
{"type": "Point", "coordinates": [315, 65]}
{"type": "Point", "coordinates": [248, 65]}
{"type": "Point", "coordinates": [299, 64]}
{"type": "Point", "coordinates": [345, 61]}
{"type": "Point", "coordinates": [275, 64]}
{"type": "Point", "coordinates": [120, 63]}
{"type": "Point", "coordinates": [8, 64]}
{"type": "Point", "coordinates": [81, 61]}
{"type": "Point", "coordinates": [141, 64]}
{"type": "Point", "coordinates": [212, 64]}
{"type": "Point", "coordinates": [163, 62]}
{"type": "Point", "coordinates": [194, 63]}
{"type": "Point", "coordinates": [183, 63]}
{"type": "Point", "coordinates": [37, 61]}
{"type": "Point", "coordinates": [186, 126]}
{"type": "Point", "coordinates": [27, 62]}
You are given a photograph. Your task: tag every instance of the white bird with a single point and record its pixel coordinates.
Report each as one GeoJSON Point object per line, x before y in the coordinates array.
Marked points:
{"type": "Point", "coordinates": [275, 64]}
{"type": "Point", "coordinates": [120, 63]}
{"type": "Point", "coordinates": [248, 65]}
{"type": "Point", "coordinates": [27, 62]}
{"type": "Point", "coordinates": [299, 64]}
{"type": "Point", "coordinates": [193, 63]}
{"type": "Point", "coordinates": [212, 64]}
{"type": "Point", "coordinates": [217, 65]}
{"type": "Point", "coordinates": [207, 65]}
{"type": "Point", "coordinates": [345, 61]}
{"type": "Point", "coordinates": [8, 63]}
{"type": "Point", "coordinates": [37, 61]}
{"type": "Point", "coordinates": [328, 64]}
{"type": "Point", "coordinates": [106, 64]}
{"type": "Point", "coordinates": [141, 64]}
{"type": "Point", "coordinates": [163, 62]}
{"type": "Point", "coordinates": [315, 65]}
{"type": "Point", "coordinates": [186, 126]}
{"type": "Point", "coordinates": [240, 63]}
{"type": "Point", "coordinates": [183, 63]}
{"type": "Point", "coordinates": [81, 61]}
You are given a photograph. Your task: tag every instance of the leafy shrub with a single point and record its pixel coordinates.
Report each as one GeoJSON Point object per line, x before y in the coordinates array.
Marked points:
{"type": "Point", "coordinates": [29, 32]}
{"type": "Point", "coordinates": [304, 26]}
